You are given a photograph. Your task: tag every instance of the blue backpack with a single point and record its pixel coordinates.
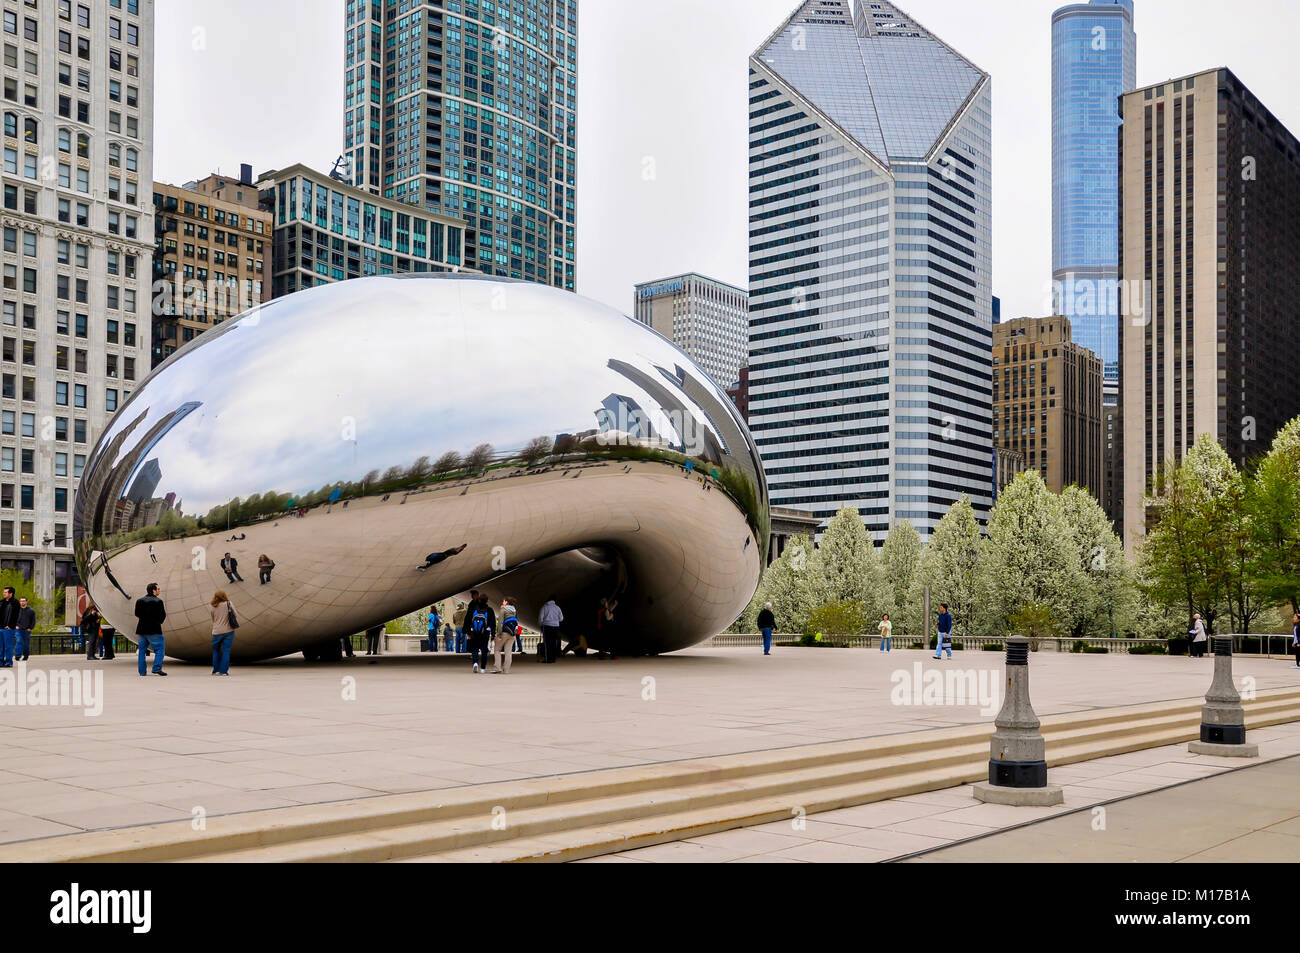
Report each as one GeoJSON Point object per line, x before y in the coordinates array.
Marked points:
{"type": "Point", "coordinates": [479, 625]}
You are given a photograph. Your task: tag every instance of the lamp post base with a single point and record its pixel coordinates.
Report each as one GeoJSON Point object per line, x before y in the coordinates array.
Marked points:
{"type": "Point", "coordinates": [1223, 751]}
{"type": "Point", "coordinates": [1050, 796]}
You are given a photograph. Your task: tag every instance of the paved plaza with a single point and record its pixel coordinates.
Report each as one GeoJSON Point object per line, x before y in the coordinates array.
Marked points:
{"type": "Point", "coordinates": [286, 733]}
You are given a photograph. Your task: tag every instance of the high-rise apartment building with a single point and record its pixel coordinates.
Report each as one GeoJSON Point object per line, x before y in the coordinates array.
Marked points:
{"type": "Point", "coordinates": [1211, 228]}
{"type": "Point", "coordinates": [469, 108]}
{"type": "Point", "coordinates": [1094, 61]}
{"type": "Point", "coordinates": [870, 258]}
{"type": "Point", "coordinates": [213, 253]}
{"type": "Point", "coordinates": [707, 319]}
{"type": "Point", "coordinates": [325, 230]}
{"type": "Point", "coordinates": [1047, 402]}
{"type": "Point", "coordinates": [77, 258]}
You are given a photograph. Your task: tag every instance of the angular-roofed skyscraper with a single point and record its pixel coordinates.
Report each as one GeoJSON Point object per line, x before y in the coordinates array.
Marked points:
{"type": "Point", "coordinates": [870, 267]}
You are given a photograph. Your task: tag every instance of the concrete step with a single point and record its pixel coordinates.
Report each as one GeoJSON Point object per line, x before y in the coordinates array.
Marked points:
{"type": "Point", "coordinates": [573, 816]}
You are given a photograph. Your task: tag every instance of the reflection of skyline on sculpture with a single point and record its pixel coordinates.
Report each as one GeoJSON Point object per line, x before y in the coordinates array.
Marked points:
{"type": "Point", "coordinates": [466, 400]}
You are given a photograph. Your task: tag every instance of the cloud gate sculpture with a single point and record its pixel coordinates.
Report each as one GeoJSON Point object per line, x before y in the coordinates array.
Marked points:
{"type": "Point", "coordinates": [348, 431]}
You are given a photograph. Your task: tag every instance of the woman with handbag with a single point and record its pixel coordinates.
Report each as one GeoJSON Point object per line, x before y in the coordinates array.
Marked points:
{"type": "Point", "coordinates": [224, 624]}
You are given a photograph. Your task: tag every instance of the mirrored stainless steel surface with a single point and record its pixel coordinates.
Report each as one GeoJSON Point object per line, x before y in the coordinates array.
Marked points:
{"type": "Point", "coordinates": [350, 431]}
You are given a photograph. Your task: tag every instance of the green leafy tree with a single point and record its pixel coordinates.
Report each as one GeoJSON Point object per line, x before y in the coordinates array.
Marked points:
{"type": "Point", "coordinates": [1108, 601]}
{"type": "Point", "coordinates": [1183, 556]}
{"type": "Point", "coordinates": [846, 566]}
{"type": "Point", "coordinates": [840, 619]}
{"type": "Point", "coordinates": [950, 567]}
{"type": "Point", "coordinates": [49, 612]}
{"type": "Point", "coordinates": [901, 559]}
{"type": "Point", "coordinates": [788, 585]}
{"type": "Point", "coordinates": [1274, 507]}
{"type": "Point", "coordinates": [1028, 558]}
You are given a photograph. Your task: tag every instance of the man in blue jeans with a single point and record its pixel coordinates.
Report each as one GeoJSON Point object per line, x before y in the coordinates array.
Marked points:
{"type": "Point", "coordinates": [26, 623]}
{"type": "Point", "coordinates": [9, 611]}
{"type": "Point", "coordinates": [767, 625]}
{"type": "Point", "coordinates": [945, 632]}
{"type": "Point", "coordinates": [151, 613]}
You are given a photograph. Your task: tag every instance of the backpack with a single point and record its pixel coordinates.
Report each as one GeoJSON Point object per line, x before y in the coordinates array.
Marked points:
{"type": "Point", "coordinates": [479, 625]}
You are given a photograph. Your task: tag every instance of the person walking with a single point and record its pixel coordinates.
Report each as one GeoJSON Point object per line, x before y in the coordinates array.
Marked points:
{"type": "Point", "coordinates": [458, 620]}
{"type": "Point", "coordinates": [504, 643]}
{"type": "Point", "coordinates": [767, 625]}
{"type": "Point", "coordinates": [945, 632]}
{"type": "Point", "coordinates": [1295, 637]}
{"type": "Point", "coordinates": [153, 558]}
{"type": "Point", "coordinates": [605, 634]}
{"type": "Point", "coordinates": [886, 635]}
{"type": "Point", "coordinates": [372, 639]}
{"type": "Point", "coordinates": [482, 627]}
{"type": "Point", "coordinates": [8, 627]}
{"type": "Point", "coordinates": [90, 632]}
{"type": "Point", "coordinates": [551, 618]}
{"type": "Point", "coordinates": [151, 613]}
{"type": "Point", "coordinates": [1200, 638]}
{"type": "Point", "coordinates": [230, 566]}
{"type": "Point", "coordinates": [26, 623]}
{"type": "Point", "coordinates": [224, 624]}
{"type": "Point", "coordinates": [264, 566]}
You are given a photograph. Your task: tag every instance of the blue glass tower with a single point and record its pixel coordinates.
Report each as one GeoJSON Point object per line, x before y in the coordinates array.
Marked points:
{"type": "Point", "coordinates": [468, 108]}
{"type": "Point", "coordinates": [1094, 61]}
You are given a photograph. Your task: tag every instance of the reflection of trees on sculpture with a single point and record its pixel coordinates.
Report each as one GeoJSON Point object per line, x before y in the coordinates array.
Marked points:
{"type": "Point", "coordinates": [538, 449]}
{"type": "Point", "coordinates": [479, 458]}
{"type": "Point", "coordinates": [448, 463]}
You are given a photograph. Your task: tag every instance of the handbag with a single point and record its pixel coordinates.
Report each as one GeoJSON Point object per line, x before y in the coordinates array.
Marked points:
{"type": "Point", "coordinates": [231, 620]}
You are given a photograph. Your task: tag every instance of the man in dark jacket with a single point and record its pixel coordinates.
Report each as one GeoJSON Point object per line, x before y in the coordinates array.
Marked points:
{"type": "Point", "coordinates": [8, 628]}
{"type": "Point", "coordinates": [90, 623]}
{"type": "Point", "coordinates": [151, 613]}
{"type": "Point", "coordinates": [26, 623]}
{"type": "Point", "coordinates": [481, 625]}
{"type": "Point", "coordinates": [767, 625]}
{"type": "Point", "coordinates": [230, 565]}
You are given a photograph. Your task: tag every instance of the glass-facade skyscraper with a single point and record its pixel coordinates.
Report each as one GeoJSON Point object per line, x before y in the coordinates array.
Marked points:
{"type": "Point", "coordinates": [1094, 61]}
{"type": "Point", "coordinates": [870, 320]}
{"type": "Point", "coordinates": [468, 108]}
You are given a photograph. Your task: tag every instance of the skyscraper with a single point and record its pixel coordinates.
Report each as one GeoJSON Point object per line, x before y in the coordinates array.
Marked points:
{"type": "Point", "coordinates": [1094, 61]}
{"type": "Point", "coordinates": [470, 109]}
{"type": "Point", "coordinates": [870, 260]}
{"type": "Point", "coordinates": [1211, 228]}
{"type": "Point", "coordinates": [707, 319]}
{"type": "Point", "coordinates": [77, 258]}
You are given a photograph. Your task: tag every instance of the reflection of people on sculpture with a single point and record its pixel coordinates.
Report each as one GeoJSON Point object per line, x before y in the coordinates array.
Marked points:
{"type": "Point", "coordinates": [153, 558]}
{"type": "Point", "coordinates": [434, 559]}
{"type": "Point", "coordinates": [230, 566]}
{"type": "Point", "coordinates": [108, 574]}
{"type": "Point", "coordinates": [264, 566]}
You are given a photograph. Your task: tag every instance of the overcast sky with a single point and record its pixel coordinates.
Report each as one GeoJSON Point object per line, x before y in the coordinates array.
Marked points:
{"type": "Point", "coordinates": [262, 82]}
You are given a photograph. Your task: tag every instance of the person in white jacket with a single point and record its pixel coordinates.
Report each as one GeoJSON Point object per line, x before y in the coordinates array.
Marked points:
{"type": "Point", "coordinates": [1200, 640]}
{"type": "Point", "coordinates": [551, 618]}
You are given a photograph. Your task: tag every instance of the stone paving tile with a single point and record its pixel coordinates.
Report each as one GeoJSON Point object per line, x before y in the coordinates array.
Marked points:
{"type": "Point", "coordinates": [685, 852]}
{"type": "Point", "coordinates": [826, 852]}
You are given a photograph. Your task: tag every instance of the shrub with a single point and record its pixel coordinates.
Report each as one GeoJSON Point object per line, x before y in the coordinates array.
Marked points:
{"type": "Point", "coordinates": [1178, 645]}
{"type": "Point", "coordinates": [994, 647]}
{"type": "Point", "coordinates": [1096, 650]}
{"type": "Point", "coordinates": [1080, 646]}
{"type": "Point", "coordinates": [838, 618]}
{"type": "Point", "coordinates": [1147, 650]}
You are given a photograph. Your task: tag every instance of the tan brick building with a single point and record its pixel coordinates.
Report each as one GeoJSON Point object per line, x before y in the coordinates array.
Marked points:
{"type": "Point", "coordinates": [1047, 402]}
{"type": "Point", "coordinates": [213, 245]}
